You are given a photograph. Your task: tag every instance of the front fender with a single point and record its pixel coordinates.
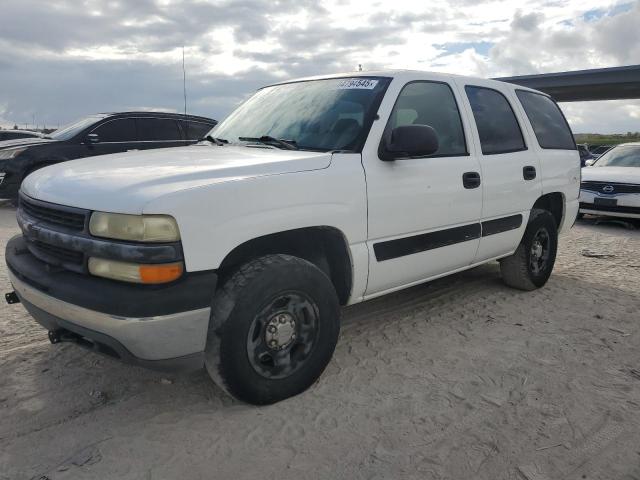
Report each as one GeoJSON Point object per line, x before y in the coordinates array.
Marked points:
{"type": "Point", "coordinates": [215, 219]}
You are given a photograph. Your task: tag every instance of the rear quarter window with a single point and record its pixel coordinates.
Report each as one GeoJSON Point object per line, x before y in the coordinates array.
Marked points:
{"type": "Point", "coordinates": [548, 122]}
{"type": "Point", "coordinates": [195, 130]}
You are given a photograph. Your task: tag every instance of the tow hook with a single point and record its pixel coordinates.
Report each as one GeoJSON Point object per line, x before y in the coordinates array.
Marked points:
{"type": "Point", "coordinates": [62, 335]}
{"type": "Point", "coordinates": [11, 298]}
{"type": "Point", "coordinates": [55, 336]}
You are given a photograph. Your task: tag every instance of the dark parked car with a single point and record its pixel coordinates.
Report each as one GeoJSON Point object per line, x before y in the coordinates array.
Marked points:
{"type": "Point", "coordinates": [598, 150]}
{"type": "Point", "coordinates": [15, 134]}
{"type": "Point", "coordinates": [98, 134]}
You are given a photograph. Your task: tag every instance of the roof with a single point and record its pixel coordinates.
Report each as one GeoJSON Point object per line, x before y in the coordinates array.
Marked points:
{"type": "Point", "coordinates": [20, 131]}
{"type": "Point", "coordinates": [406, 75]}
{"type": "Point", "coordinates": [147, 113]}
{"type": "Point", "coordinates": [580, 85]}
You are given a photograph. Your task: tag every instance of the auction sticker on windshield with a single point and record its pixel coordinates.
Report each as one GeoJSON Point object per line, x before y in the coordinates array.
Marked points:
{"type": "Point", "coordinates": [362, 83]}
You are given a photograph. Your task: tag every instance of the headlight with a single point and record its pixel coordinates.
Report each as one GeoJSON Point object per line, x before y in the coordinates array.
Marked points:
{"type": "Point", "coordinates": [133, 272]}
{"type": "Point", "coordinates": [10, 153]}
{"type": "Point", "coordinates": [138, 228]}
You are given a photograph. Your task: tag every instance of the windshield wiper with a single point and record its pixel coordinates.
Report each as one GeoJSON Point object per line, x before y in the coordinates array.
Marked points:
{"type": "Point", "coordinates": [218, 141]}
{"type": "Point", "coordinates": [268, 140]}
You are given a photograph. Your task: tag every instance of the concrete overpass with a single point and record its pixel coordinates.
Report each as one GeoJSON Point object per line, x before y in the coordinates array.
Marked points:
{"type": "Point", "coordinates": [582, 85]}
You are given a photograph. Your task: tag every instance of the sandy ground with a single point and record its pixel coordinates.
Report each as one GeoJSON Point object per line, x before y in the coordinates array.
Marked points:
{"type": "Point", "coordinates": [462, 378]}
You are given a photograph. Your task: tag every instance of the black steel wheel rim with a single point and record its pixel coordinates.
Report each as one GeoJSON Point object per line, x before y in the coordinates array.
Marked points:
{"type": "Point", "coordinates": [282, 335]}
{"type": "Point", "coordinates": [540, 251]}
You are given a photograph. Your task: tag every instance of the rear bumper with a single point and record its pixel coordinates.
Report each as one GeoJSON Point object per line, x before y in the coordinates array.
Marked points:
{"type": "Point", "coordinates": [163, 327]}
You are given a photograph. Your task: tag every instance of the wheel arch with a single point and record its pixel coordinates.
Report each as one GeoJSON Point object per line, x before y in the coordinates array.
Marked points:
{"type": "Point", "coordinates": [554, 203]}
{"type": "Point", "coordinates": [324, 246]}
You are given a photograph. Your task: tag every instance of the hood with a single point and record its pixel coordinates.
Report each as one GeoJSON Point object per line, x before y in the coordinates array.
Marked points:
{"type": "Point", "coordinates": [611, 174]}
{"type": "Point", "coordinates": [126, 182]}
{"type": "Point", "coordinates": [25, 142]}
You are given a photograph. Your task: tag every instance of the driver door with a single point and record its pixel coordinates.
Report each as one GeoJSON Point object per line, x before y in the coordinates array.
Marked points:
{"type": "Point", "coordinates": [423, 213]}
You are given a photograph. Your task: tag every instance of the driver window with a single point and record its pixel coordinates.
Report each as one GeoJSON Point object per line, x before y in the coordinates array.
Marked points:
{"type": "Point", "coordinates": [432, 104]}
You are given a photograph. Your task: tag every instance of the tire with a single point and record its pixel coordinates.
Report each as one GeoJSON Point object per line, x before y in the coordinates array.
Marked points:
{"type": "Point", "coordinates": [531, 265]}
{"type": "Point", "coordinates": [273, 329]}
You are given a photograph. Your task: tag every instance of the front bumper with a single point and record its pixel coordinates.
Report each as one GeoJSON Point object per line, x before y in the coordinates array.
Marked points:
{"type": "Point", "coordinates": [627, 204]}
{"type": "Point", "coordinates": [8, 186]}
{"type": "Point", "coordinates": [160, 326]}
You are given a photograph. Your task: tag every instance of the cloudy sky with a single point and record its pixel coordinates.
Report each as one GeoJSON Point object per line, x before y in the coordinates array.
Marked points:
{"type": "Point", "coordinates": [63, 59]}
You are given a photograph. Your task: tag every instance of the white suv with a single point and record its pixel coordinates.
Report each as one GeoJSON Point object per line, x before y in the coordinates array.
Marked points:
{"type": "Point", "coordinates": [236, 253]}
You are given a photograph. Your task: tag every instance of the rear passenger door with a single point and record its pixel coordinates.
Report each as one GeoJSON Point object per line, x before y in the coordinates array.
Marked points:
{"type": "Point", "coordinates": [158, 133]}
{"type": "Point", "coordinates": [510, 168]}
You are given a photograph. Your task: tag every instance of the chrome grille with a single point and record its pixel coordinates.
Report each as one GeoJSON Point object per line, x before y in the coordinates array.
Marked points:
{"type": "Point", "coordinates": [610, 188]}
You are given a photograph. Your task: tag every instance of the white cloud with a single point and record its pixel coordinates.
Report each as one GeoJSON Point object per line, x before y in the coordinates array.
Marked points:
{"type": "Point", "coordinates": [61, 61]}
{"type": "Point", "coordinates": [611, 116]}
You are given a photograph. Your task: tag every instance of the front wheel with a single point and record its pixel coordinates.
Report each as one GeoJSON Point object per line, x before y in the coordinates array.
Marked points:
{"type": "Point", "coordinates": [531, 265]}
{"type": "Point", "coordinates": [273, 329]}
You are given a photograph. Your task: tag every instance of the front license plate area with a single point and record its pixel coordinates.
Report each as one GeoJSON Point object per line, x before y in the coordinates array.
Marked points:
{"type": "Point", "coordinates": [606, 202]}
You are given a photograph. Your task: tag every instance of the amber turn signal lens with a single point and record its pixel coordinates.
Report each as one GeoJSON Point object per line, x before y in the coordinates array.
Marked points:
{"type": "Point", "coordinates": [164, 273]}
{"type": "Point", "coordinates": [134, 272]}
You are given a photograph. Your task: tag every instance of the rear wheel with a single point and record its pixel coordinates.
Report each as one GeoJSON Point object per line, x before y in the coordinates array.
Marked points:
{"type": "Point", "coordinates": [532, 263]}
{"type": "Point", "coordinates": [273, 329]}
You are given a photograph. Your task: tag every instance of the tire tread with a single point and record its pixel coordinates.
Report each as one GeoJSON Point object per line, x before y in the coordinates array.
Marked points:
{"type": "Point", "coordinates": [225, 300]}
{"type": "Point", "coordinates": [514, 268]}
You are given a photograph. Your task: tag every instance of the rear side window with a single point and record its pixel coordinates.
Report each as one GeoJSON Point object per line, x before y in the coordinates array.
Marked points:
{"type": "Point", "coordinates": [167, 129]}
{"type": "Point", "coordinates": [195, 130]}
{"type": "Point", "coordinates": [432, 104]}
{"type": "Point", "coordinates": [120, 130]}
{"type": "Point", "coordinates": [497, 124]}
{"type": "Point", "coordinates": [549, 125]}
{"type": "Point", "coordinates": [157, 129]}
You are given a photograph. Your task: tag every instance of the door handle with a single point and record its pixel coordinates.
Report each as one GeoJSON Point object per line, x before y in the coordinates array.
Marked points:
{"type": "Point", "coordinates": [471, 179]}
{"type": "Point", "coordinates": [529, 172]}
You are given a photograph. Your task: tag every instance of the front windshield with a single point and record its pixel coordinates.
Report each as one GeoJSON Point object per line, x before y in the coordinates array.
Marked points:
{"type": "Point", "coordinates": [328, 114]}
{"type": "Point", "coordinates": [626, 156]}
{"type": "Point", "coordinates": [72, 129]}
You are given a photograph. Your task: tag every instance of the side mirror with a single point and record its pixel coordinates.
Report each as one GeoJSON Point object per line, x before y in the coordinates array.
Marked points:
{"type": "Point", "coordinates": [409, 141]}
{"type": "Point", "coordinates": [93, 138]}
{"type": "Point", "coordinates": [589, 162]}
